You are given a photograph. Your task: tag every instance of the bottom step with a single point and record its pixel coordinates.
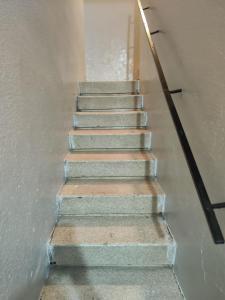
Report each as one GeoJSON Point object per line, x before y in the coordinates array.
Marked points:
{"type": "Point", "coordinates": [118, 241]}
{"type": "Point", "coordinates": [111, 284]}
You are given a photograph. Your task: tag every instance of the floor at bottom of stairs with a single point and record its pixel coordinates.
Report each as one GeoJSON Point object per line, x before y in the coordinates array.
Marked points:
{"type": "Point", "coordinates": [67, 283]}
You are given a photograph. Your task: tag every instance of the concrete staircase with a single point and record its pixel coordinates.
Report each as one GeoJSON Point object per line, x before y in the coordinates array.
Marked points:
{"type": "Point", "coordinates": [111, 240]}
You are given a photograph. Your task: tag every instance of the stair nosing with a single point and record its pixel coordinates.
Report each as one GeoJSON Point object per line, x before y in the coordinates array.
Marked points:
{"type": "Point", "coordinates": [69, 156]}
{"type": "Point", "coordinates": [128, 112]}
{"type": "Point", "coordinates": [108, 132]}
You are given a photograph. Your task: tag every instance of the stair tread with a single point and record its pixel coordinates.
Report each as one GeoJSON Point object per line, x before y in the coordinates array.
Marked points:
{"type": "Point", "coordinates": [99, 113]}
{"type": "Point", "coordinates": [111, 230]}
{"type": "Point", "coordinates": [106, 81]}
{"type": "Point", "coordinates": [134, 131]}
{"type": "Point", "coordinates": [106, 94]}
{"type": "Point", "coordinates": [110, 156]}
{"type": "Point", "coordinates": [111, 284]}
{"type": "Point", "coordinates": [107, 187]}
{"type": "Point", "coordinates": [109, 96]}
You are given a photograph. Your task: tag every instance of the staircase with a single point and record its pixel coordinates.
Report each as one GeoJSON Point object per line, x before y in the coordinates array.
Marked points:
{"type": "Point", "coordinates": [111, 241]}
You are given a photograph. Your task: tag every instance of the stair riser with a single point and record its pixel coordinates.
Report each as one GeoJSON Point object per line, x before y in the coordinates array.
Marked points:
{"type": "Point", "coordinates": [104, 205]}
{"type": "Point", "coordinates": [122, 87]}
{"type": "Point", "coordinates": [137, 120]}
{"type": "Point", "coordinates": [110, 169]}
{"type": "Point", "coordinates": [116, 255]}
{"type": "Point", "coordinates": [139, 141]}
{"type": "Point", "coordinates": [109, 103]}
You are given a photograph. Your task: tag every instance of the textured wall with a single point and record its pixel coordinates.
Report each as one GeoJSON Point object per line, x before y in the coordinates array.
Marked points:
{"type": "Point", "coordinates": [191, 48]}
{"type": "Point", "coordinates": [41, 58]}
{"type": "Point", "coordinates": [109, 39]}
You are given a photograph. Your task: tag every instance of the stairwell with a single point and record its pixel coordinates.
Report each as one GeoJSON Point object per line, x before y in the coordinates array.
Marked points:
{"type": "Point", "coordinates": [111, 240]}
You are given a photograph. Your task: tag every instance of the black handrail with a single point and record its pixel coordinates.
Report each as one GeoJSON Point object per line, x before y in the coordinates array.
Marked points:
{"type": "Point", "coordinates": [207, 206]}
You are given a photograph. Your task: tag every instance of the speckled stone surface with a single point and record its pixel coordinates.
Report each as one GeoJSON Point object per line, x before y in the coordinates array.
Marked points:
{"type": "Point", "coordinates": [112, 241]}
{"type": "Point", "coordinates": [111, 284]}
{"type": "Point", "coordinates": [109, 87]}
{"type": "Point", "coordinates": [41, 60]}
{"type": "Point", "coordinates": [110, 102]}
{"type": "Point", "coordinates": [110, 139]}
{"type": "Point", "coordinates": [105, 196]}
{"type": "Point", "coordinates": [101, 164]}
{"type": "Point", "coordinates": [115, 119]}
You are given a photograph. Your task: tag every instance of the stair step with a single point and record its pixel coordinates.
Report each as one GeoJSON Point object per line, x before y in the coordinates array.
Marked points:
{"type": "Point", "coordinates": [105, 197]}
{"type": "Point", "coordinates": [134, 119]}
{"type": "Point", "coordinates": [112, 241]}
{"type": "Point", "coordinates": [109, 87]}
{"type": "Point", "coordinates": [110, 164]}
{"type": "Point", "coordinates": [110, 102]}
{"type": "Point", "coordinates": [110, 139]}
{"type": "Point", "coordinates": [111, 284]}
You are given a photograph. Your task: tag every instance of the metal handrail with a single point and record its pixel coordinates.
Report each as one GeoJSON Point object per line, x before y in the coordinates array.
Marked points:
{"type": "Point", "coordinates": [207, 206]}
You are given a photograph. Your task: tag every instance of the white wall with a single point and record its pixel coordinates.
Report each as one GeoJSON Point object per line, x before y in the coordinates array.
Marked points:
{"type": "Point", "coordinates": [191, 49]}
{"type": "Point", "coordinates": [109, 39]}
{"type": "Point", "coordinates": [41, 58]}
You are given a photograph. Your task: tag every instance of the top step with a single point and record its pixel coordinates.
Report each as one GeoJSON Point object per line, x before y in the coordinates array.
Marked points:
{"type": "Point", "coordinates": [109, 87]}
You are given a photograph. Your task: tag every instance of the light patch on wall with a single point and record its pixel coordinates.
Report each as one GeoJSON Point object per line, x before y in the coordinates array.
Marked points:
{"type": "Point", "coordinates": [109, 39]}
